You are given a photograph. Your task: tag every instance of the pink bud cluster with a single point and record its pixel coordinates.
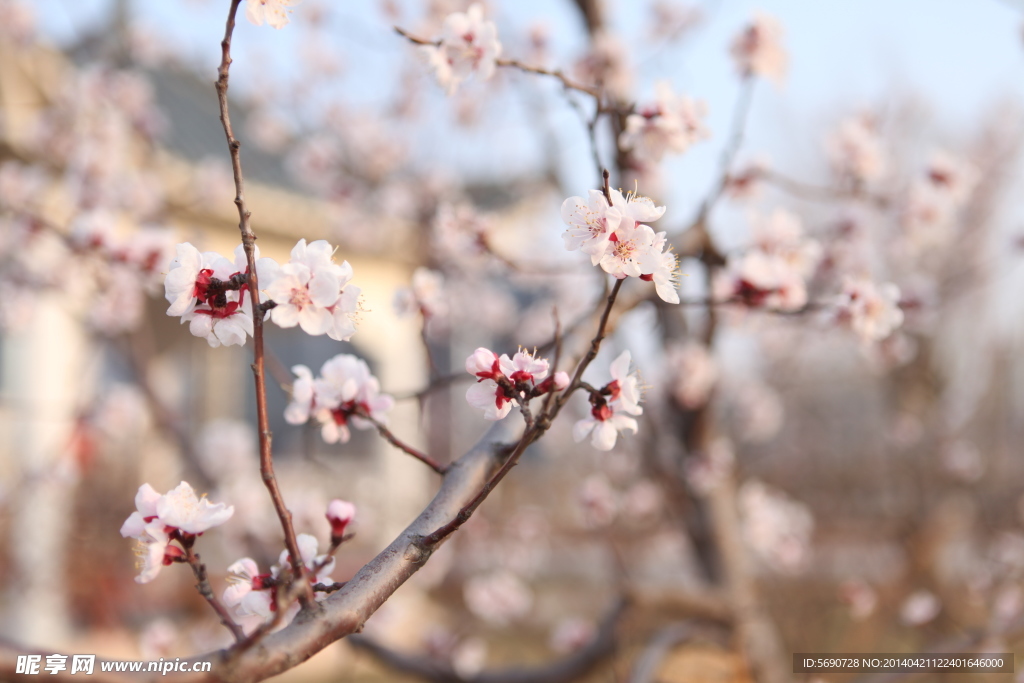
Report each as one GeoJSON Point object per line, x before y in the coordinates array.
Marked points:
{"type": "Point", "coordinates": [502, 382]}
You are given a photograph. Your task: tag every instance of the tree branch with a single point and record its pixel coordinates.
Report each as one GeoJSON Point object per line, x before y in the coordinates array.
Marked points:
{"type": "Point", "coordinates": [249, 242]}
{"type": "Point", "coordinates": [568, 669]}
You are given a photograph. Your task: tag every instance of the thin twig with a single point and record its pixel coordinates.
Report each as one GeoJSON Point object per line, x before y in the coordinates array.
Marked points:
{"type": "Point", "coordinates": [537, 429]}
{"type": "Point", "coordinates": [399, 444]}
{"type": "Point", "coordinates": [514, 64]}
{"type": "Point", "coordinates": [206, 590]}
{"type": "Point", "coordinates": [249, 243]}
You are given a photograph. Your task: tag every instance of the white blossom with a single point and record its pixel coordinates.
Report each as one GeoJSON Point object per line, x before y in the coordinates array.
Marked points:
{"type": "Point", "coordinates": [670, 125]}
{"type": "Point", "coordinates": [468, 45]}
{"type": "Point", "coordinates": [498, 598]}
{"type": "Point", "coordinates": [273, 12]}
{"type": "Point", "coordinates": [758, 49]}
{"type": "Point", "coordinates": [873, 312]}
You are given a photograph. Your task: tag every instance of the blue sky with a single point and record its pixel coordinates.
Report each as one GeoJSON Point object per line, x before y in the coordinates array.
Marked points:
{"type": "Point", "coordinates": [960, 57]}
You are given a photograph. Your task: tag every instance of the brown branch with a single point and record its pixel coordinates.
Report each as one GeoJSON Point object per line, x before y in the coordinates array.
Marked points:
{"type": "Point", "coordinates": [567, 82]}
{"type": "Point", "coordinates": [571, 668]}
{"type": "Point", "coordinates": [206, 590]}
{"type": "Point", "coordinates": [399, 444]}
{"type": "Point", "coordinates": [249, 243]}
{"type": "Point", "coordinates": [535, 429]}
{"type": "Point", "coordinates": [345, 612]}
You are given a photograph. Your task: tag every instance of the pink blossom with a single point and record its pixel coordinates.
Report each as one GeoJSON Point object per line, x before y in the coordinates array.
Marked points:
{"type": "Point", "coordinates": [340, 514]}
{"type": "Point", "coordinates": [919, 608]}
{"type": "Point", "coordinates": [758, 49]}
{"type": "Point", "coordinates": [158, 519]}
{"type": "Point", "coordinates": [572, 634]}
{"type": "Point", "coordinates": [312, 291]}
{"type": "Point", "coordinates": [694, 374]}
{"type": "Point", "coordinates": [272, 12]}
{"type": "Point", "coordinates": [501, 380]}
{"type": "Point", "coordinates": [498, 598]}
{"type": "Point", "coordinates": [873, 312]}
{"type": "Point", "coordinates": [468, 45]}
{"type": "Point", "coordinates": [611, 406]}
{"type": "Point", "coordinates": [776, 528]}
{"type": "Point", "coordinates": [856, 150]}
{"type": "Point", "coordinates": [591, 222]}
{"type": "Point", "coordinates": [670, 125]}
{"type": "Point", "coordinates": [597, 500]}
{"type": "Point", "coordinates": [426, 296]}
{"type": "Point", "coordinates": [344, 392]}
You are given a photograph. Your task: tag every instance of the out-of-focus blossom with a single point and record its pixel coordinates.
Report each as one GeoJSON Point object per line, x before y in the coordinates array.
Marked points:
{"type": "Point", "coordinates": [776, 528]}
{"type": "Point", "coordinates": [951, 177]}
{"type": "Point", "coordinates": [498, 598]}
{"type": "Point", "coordinates": [670, 125]}
{"type": "Point", "coordinates": [606, 65]}
{"type": "Point", "coordinates": [227, 447]}
{"type": "Point", "coordinates": [598, 501]}
{"type": "Point", "coordinates": [758, 49]}
{"type": "Point", "coordinates": [672, 20]}
{"type": "Point", "coordinates": [759, 411]}
{"type": "Point", "coordinates": [706, 471]}
{"type": "Point", "coordinates": [272, 12]}
{"type": "Point", "coordinates": [469, 657]}
{"type": "Point", "coordinates": [693, 373]}
{"type": "Point", "coordinates": [761, 280]}
{"type": "Point", "coordinates": [861, 598]}
{"type": "Point", "coordinates": [781, 234]}
{"type": "Point", "coordinates": [345, 393]}
{"type": "Point", "coordinates": [468, 45]}
{"type": "Point", "coordinates": [962, 460]}
{"type": "Point", "coordinates": [572, 634]}
{"type": "Point", "coordinates": [919, 608]}
{"type": "Point", "coordinates": [426, 296]}
{"type": "Point", "coordinates": [856, 151]}
{"type": "Point", "coordinates": [872, 311]}
{"type": "Point", "coordinates": [642, 501]}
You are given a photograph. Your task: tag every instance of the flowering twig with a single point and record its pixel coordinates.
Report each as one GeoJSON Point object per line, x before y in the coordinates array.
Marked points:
{"type": "Point", "coordinates": [399, 444]}
{"type": "Point", "coordinates": [535, 429]}
{"type": "Point", "coordinates": [206, 590]}
{"type": "Point", "coordinates": [567, 82]}
{"type": "Point", "coordinates": [249, 242]}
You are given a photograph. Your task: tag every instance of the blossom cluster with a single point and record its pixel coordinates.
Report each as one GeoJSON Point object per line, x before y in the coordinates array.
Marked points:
{"type": "Point", "coordinates": [312, 291]}
{"type": "Point", "coordinates": [669, 125]}
{"type": "Point", "coordinates": [758, 49]}
{"type": "Point", "coordinates": [773, 273]}
{"type": "Point", "coordinates": [468, 45]}
{"type": "Point", "coordinates": [610, 229]}
{"type": "Point", "coordinates": [252, 596]}
{"type": "Point", "coordinates": [346, 392]}
{"type": "Point", "coordinates": [178, 515]}
{"type": "Point", "coordinates": [502, 381]}
{"type": "Point", "coordinates": [272, 12]}
{"type": "Point", "coordinates": [611, 407]}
